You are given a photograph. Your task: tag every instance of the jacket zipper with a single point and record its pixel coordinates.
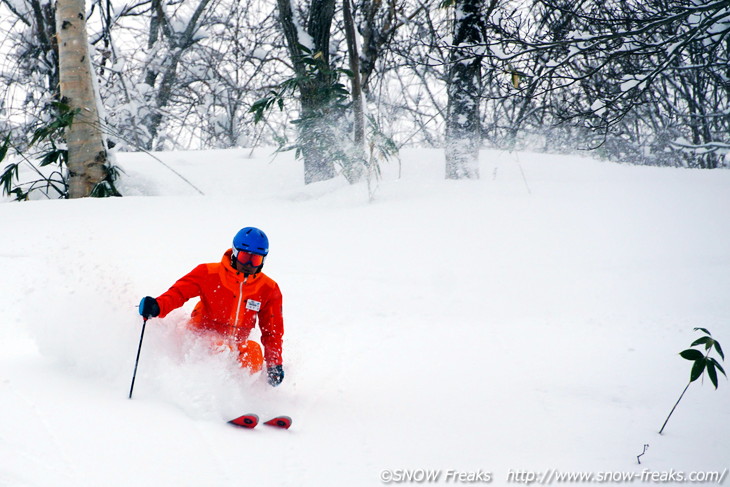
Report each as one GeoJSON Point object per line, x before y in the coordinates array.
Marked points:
{"type": "Point", "coordinates": [238, 307]}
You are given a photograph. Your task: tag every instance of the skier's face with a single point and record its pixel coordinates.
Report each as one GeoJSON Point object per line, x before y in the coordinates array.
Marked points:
{"type": "Point", "coordinates": [246, 268]}
{"type": "Point", "coordinates": [247, 262]}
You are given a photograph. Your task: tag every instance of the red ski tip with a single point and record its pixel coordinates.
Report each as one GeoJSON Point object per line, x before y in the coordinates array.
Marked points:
{"type": "Point", "coordinates": [246, 421]}
{"type": "Point", "coordinates": [280, 422]}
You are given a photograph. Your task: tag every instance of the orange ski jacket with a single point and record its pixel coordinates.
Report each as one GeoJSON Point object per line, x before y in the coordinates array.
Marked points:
{"type": "Point", "coordinates": [230, 304]}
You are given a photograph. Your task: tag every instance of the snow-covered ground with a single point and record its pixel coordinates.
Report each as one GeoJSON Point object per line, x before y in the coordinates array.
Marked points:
{"type": "Point", "coordinates": [526, 323]}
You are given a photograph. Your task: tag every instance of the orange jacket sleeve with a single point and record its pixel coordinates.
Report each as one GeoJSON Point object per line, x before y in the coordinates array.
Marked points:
{"type": "Point", "coordinates": [187, 287]}
{"type": "Point", "coordinates": [271, 324]}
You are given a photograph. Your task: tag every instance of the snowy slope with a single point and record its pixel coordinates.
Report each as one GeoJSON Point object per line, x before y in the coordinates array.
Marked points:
{"type": "Point", "coordinates": [524, 322]}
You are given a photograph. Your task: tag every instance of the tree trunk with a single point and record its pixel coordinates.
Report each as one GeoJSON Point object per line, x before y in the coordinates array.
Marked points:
{"type": "Point", "coordinates": [45, 32]}
{"type": "Point", "coordinates": [86, 152]}
{"type": "Point", "coordinates": [354, 171]}
{"type": "Point", "coordinates": [313, 135]}
{"type": "Point", "coordinates": [354, 60]}
{"type": "Point", "coordinates": [463, 129]}
{"type": "Point", "coordinates": [164, 78]}
{"type": "Point", "coordinates": [318, 166]}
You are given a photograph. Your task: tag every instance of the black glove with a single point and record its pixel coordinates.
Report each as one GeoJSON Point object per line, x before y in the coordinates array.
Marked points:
{"type": "Point", "coordinates": [275, 374]}
{"type": "Point", "coordinates": [148, 307]}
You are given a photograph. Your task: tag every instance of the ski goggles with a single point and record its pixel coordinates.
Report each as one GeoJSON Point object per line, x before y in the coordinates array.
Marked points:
{"type": "Point", "coordinates": [244, 257]}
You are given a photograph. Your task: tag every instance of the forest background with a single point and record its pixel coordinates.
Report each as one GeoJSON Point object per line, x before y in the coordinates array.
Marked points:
{"type": "Point", "coordinates": [348, 83]}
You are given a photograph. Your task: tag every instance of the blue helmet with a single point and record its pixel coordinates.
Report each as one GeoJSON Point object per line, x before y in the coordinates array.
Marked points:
{"type": "Point", "coordinates": [251, 239]}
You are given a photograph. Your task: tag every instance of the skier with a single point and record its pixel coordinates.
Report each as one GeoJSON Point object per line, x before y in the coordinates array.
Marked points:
{"type": "Point", "coordinates": [233, 294]}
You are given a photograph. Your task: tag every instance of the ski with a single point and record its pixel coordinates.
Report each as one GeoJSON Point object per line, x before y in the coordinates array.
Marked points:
{"type": "Point", "coordinates": [280, 422]}
{"type": "Point", "coordinates": [249, 421]}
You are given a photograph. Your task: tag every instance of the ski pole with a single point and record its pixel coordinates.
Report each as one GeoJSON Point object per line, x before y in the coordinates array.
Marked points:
{"type": "Point", "coordinates": [136, 362]}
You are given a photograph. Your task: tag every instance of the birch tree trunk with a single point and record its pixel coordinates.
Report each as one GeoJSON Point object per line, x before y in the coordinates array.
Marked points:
{"type": "Point", "coordinates": [87, 155]}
